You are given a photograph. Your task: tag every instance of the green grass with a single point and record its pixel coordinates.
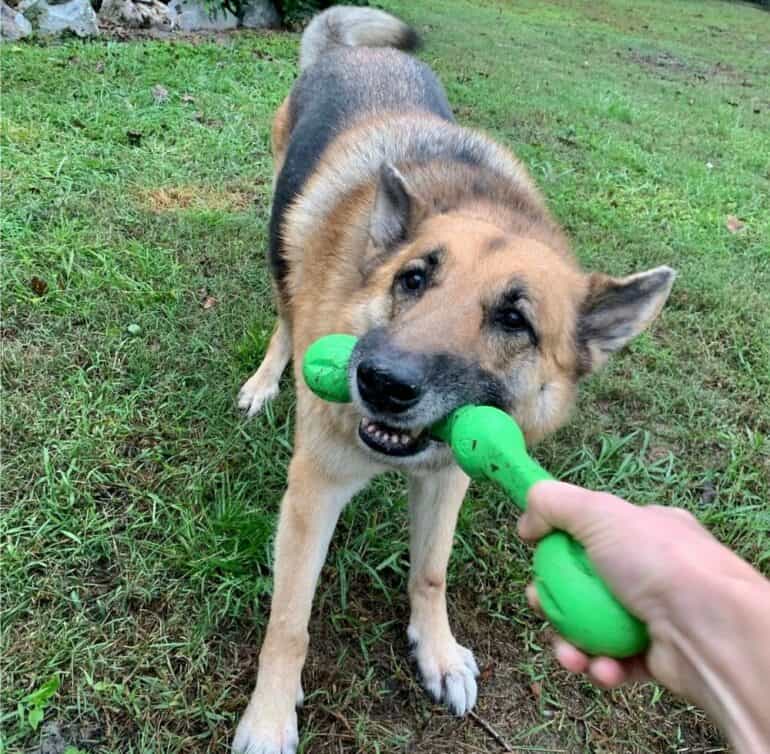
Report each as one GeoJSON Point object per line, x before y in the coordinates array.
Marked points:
{"type": "Point", "coordinates": [139, 510]}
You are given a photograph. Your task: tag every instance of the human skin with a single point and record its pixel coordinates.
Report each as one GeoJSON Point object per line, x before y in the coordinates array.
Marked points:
{"type": "Point", "coordinates": [707, 611]}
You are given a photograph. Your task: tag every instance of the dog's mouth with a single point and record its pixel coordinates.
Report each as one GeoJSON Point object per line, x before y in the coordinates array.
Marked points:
{"type": "Point", "coordinates": [392, 441]}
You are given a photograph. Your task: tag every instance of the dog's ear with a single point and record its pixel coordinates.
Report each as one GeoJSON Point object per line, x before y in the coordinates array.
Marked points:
{"type": "Point", "coordinates": [394, 212]}
{"type": "Point", "coordinates": [616, 310]}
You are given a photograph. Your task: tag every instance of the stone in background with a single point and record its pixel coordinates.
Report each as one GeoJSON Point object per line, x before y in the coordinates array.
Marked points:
{"type": "Point", "coordinates": [79, 17]}
{"type": "Point", "coordinates": [260, 14]}
{"type": "Point", "coordinates": [193, 15]}
{"type": "Point", "coordinates": [13, 25]}
{"type": "Point", "coordinates": [47, 17]}
{"type": "Point", "coordinates": [136, 14]}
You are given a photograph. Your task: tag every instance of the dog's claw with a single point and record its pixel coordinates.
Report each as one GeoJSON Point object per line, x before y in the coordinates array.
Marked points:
{"type": "Point", "coordinates": [448, 673]}
{"type": "Point", "coordinates": [460, 691]}
{"type": "Point", "coordinates": [253, 396]}
{"type": "Point", "coordinates": [261, 732]}
{"type": "Point", "coordinates": [249, 741]}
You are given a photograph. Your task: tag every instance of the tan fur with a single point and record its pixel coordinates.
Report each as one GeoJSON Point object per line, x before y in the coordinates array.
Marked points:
{"type": "Point", "coordinates": [328, 264]}
{"type": "Point", "coordinates": [556, 289]}
{"type": "Point", "coordinates": [309, 513]}
{"type": "Point", "coordinates": [353, 159]}
{"type": "Point", "coordinates": [434, 504]}
{"type": "Point", "coordinates": [339, 281]}
{"type": "Point", "coordinates": [279, 135]}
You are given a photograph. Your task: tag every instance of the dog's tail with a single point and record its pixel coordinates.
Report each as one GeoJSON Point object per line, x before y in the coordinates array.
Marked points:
{"type": "Point", "coordinates": [348, 26]}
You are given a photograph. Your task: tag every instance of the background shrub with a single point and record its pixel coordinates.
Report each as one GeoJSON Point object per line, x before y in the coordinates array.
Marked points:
{"type": "Point", "coordinates": [294, 13]}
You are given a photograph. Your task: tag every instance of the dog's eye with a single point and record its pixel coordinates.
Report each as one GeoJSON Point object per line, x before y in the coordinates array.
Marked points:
{"type": "Point", "coordinates": [413, 281]}
{"type": "Point", "coordinates": [512, 320]}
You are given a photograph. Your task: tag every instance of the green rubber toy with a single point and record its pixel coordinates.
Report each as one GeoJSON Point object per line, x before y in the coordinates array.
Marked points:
{"type": "Point", "coordinates": [487, 443]}
{"type": "Point", "coordinates": [325, 367]}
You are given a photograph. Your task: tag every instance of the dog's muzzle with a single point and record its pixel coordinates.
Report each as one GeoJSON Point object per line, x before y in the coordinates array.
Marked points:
{"type": "Point", "coordinates": [401, 392]}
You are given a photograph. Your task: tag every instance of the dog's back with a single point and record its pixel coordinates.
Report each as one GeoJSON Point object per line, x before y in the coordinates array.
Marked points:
{"type": "Point", "coordinates": [352, 67]}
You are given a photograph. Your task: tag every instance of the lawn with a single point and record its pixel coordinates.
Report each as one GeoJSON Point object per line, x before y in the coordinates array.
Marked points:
{"type": "Point", "coordinates": [138, 508]}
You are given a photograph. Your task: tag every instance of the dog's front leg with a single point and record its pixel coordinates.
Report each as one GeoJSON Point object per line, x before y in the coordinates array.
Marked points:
{"type": "Point", "coordinates": [448, 669]}
{"type": "Point", "coordinates": [309, 513]}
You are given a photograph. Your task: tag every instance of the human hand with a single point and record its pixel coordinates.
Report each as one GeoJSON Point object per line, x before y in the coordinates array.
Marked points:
{"type": "Point", "coordinates": [659, 562]}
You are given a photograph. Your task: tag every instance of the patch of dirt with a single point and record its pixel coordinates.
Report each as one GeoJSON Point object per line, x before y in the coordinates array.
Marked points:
{"type": "Point", "coordinates": [174, 198]}
{"type": "Point", "coordinates": [56, 738]}
{"type": "Point", "coordinates": [525, 700]}
{"type": "Point", "coordinates": [363, 695]}
{"type": "Point", "coordinates": [666, 65]}
{"type": "Point", "coordinates": [664, 60]}
{"type": "Point", "coordinates": [118, 33]}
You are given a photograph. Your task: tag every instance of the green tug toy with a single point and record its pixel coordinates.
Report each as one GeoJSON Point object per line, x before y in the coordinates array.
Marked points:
{"type": "Point", "coordinates": [487, 443]}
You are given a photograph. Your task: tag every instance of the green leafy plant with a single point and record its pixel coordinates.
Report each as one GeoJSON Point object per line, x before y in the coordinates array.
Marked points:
{"type": "Point", "coordinates": [293, 13]}
{"type": "Point", "coordinates": [32, 707]}
{"type": "Point", "coordinates": [236, 7]}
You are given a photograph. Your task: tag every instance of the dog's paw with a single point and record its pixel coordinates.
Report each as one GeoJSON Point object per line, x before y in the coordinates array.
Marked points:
{"type": "Point", "coordinates": [447, 669]}
{"type": "Point", "coordinates": [256, 391]}
{"type": "Point", "coordinates": [260, 734]}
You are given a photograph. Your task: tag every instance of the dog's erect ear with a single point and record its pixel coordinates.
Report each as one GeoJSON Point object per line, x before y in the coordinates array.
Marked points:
{"type": "Point", "coordinates": [618, 309]}
{"type": "Point", "coordinates": [394, 211]}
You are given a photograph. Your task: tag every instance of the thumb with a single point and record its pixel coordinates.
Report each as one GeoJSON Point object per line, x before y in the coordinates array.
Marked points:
{"type": "Point", "coordinates": [556, 505]}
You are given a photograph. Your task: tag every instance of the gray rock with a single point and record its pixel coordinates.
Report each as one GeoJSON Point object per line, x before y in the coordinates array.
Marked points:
{"type": "Point", "coordinates": [13, 25]}
{"type": "Point", "coordinates": [261, 14]}
{"type": "Point", "coordinates": [193, 15]}
{"type": "Point", "coordinates": [136, 14]}
{"type": "Point", "coordinates": [76, 16]}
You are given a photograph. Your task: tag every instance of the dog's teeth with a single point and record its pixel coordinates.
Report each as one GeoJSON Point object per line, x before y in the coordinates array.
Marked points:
{"type": "Point", "coordinates": [395, 438]}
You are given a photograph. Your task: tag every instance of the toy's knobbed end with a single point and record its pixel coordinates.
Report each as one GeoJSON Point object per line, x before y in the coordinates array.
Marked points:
{"type": "Point", "coordinates": [487, 442]}
{"type": "Point", "coordinates": [325, 367]}
{"type": "Point", "coordinates": [579, 604]}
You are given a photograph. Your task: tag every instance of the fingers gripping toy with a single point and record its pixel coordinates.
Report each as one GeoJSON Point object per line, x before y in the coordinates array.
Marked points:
{"type": "Point", "coordinates": [486, 442]}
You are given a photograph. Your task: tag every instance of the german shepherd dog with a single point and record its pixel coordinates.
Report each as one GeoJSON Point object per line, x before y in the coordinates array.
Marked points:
{"type": "Point", "coordinates": [430, 242]}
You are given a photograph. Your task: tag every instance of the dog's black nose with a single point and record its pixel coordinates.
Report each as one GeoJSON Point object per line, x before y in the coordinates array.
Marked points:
{"type": "Point", "coordinates": [391, 389]}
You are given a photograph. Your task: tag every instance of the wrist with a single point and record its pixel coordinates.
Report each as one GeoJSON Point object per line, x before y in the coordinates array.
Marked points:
{"type": "Point", "coordinates": [719, 631]}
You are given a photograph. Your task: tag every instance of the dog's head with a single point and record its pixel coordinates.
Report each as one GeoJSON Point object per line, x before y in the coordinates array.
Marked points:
{"type": "Point", "coordinates": [459, 312]}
